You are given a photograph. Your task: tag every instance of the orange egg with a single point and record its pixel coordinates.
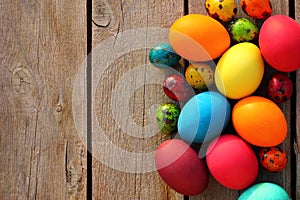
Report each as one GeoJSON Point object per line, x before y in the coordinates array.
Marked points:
{"type": "Point", "coordinates": [259, 121]}
{"type": "Point", "coordinates": [258, 9]}
{"type": "Point", "coordinates": [198, 37]}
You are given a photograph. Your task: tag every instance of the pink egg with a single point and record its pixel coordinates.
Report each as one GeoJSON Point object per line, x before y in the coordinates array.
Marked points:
{"type": "Point", "coordinates": [180, 167]}
{"type": "Point", "coordinates": [279, 42]}
{"type": "Point", "coordinates": [232, 162]}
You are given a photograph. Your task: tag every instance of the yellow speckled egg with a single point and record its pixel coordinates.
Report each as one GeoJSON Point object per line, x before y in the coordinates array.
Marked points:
{"type": "Point", "coordinates": [223, 10]}
{"type": "Point", "coordinates": [200, 76]}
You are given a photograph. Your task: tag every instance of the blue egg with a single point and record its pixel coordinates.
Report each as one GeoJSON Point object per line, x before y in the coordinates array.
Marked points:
{"type": "Point", "coordinates": [268, 191]}
{"type": "Point", "coordinates": [204, 117]}
{"type": "Point", "coordinates": [162, 55]}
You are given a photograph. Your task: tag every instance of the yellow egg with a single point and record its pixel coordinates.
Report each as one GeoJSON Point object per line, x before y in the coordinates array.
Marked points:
{"type": "Point", "coordinates": [239, 71]}
{"type": "Point", "coordinates": [199, 76]}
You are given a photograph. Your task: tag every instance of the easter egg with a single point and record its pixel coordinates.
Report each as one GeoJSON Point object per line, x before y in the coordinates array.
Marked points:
{"type": "Point", "coordinates": [198, 37]}
{"type": "Point", "coordinates": [281, 51]}
{"type": "Point", "coordinates": [265, 190]}
{"type": "Point", "coordinates": [162, 55]}
{"type": "Point", "coordinates": [280, 88]}
{"type": "Point", "coordinates": [239, 71]}
{"type": "Point", "coordinates": [232, 162]}
{"type": "Point", "coordinates": [177, 88]}
{"type": "Point", "coordinates": [167, 117]}
{"type": "Point", "coordinates": [203, 117]}
{"type": "Point", "coordinates": [258, 9]}
{"type": "Point", "coordinates": [242, 30]}
{"type": "Point", "coordinates": [259, 121]}
{"type": "Point", "coordinates": [273, 159]}
{"type": "Point", "coordinates": [221, 10]}
{"type": "Point", "coordinates": [200, 76]}
{"type": "Point", "coordinates": [180, 167]}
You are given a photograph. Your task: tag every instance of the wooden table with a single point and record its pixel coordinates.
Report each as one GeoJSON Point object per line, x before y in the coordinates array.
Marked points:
{"type": "Point", "coordinates": [57, 103]}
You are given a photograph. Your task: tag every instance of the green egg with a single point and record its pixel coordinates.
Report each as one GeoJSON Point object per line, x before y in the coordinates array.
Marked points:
{"type": "Point", "coordinates": [242, 30]}
{"type": "Point", "coordinates": [167, 117]}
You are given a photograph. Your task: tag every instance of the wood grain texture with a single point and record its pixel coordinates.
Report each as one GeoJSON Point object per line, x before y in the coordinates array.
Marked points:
{"type": "Point", "coordinates": [297, 137]}
{"type": "Point", "coordinates": [43, 43]}
{"type": "Point", "coordinates": [215, 190]}
{"type": "Point", "coordinates": [130, 78]}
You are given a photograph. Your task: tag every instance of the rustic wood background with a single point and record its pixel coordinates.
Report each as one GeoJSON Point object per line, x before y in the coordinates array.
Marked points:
{"type": "Point", "coordinates": [44, 45]}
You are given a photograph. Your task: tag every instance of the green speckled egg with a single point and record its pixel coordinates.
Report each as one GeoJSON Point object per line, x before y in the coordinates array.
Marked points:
{"type": "Point", "coordinates": [162, 55]}
{"type": "Point", "coordinates": [167, 116]}
{"type": "Point", "coordinates": [242, 30]}
{"type": "Point", "coordinates": [264, 191]}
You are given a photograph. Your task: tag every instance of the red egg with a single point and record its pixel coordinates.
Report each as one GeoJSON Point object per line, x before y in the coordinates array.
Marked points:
{"type": "Point", "coordinates": [232, 162]}
{"type": "Point", "coordinates": [177, 88]}
{"type": "Point", "coordinates": [279, 42]}
{"type": "Point", "coordinates": [180, 167]}
{"type": "Point", "coordinates": [273, 159]}
{"type": "Point", "coordinates": [280, 88]}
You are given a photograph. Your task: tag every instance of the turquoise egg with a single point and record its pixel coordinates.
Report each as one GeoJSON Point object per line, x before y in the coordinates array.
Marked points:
{"type": "Point", "coordinates": [162, 55]}
{"type": "Point", "coordinates": [264, 191]}
{"type": "Point", "coordinates": [204, 117]}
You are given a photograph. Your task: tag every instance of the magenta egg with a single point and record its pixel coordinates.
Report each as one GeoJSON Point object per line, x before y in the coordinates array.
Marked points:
{"type": "Point", "coordinates": [177, 88]}
{"type": "Point", "coordinates": [280, 88]}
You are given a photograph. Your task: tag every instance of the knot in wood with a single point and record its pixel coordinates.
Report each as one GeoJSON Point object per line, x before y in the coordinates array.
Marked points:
{"type": "Point", "coordinates": [59, 108]}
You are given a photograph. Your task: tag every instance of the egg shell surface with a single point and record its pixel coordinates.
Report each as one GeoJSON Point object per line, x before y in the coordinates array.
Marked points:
{"type": "Point", "coordinates": [180, 167]}
{"type": "Point", "coordinates": [281, 51]}
{"type": "Point", "coordinates": [280, 88]}
{"type": "Point", "coordinates": [273, 159]}
{"type": "Point", "coordinates": [265, 190]}
{"type": "Point", "coordinates": [239, 71]}
{"type": "Point", "coordinates": [167, 117]}
{"type": "Point", "coordinates": [198, 37]}
{"type": "Point", "coordinates": [257, 9]}
{"type": "Point", "coordinates": [259, 121]}
{"type": "Point", "coordinates": [177, 88]}
{"type": "Point", "coordinates": [162, 55]}
{"type": "Point", "coordinates": [242, 30]}
{"type": "Point", "coordinates": [204, 117]}
{"type": "Point", "coordinates": [232, 162]}
{"type": "Point", "coordinates": [221, 10]}
{"type": "Point", "coordinates": [200, 76]}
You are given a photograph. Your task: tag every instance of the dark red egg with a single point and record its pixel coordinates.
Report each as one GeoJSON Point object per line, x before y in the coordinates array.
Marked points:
{"type": "Point", "coordinates": [177, 88]}
{"type": "Point", "coordinates": [180, 167]}
{"type": "Point", "coordinates": [273, 159]}
{"type": "Point", "coordinates": [280, 88]}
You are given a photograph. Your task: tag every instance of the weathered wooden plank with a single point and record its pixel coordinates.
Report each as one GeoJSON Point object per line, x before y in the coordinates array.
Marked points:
{"type": "Point", "coordinates": [215, 190]}
{"type": "Point", "coordinates": [297, 138]}
{"type": "Point", "coordinates": [128, 174]}
{"type": "Point", "coordinates": [43, 44]}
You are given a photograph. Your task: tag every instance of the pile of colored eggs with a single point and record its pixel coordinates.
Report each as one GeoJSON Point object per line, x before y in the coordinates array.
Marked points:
{"type": "Point", "coordinates": [257, 121]}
